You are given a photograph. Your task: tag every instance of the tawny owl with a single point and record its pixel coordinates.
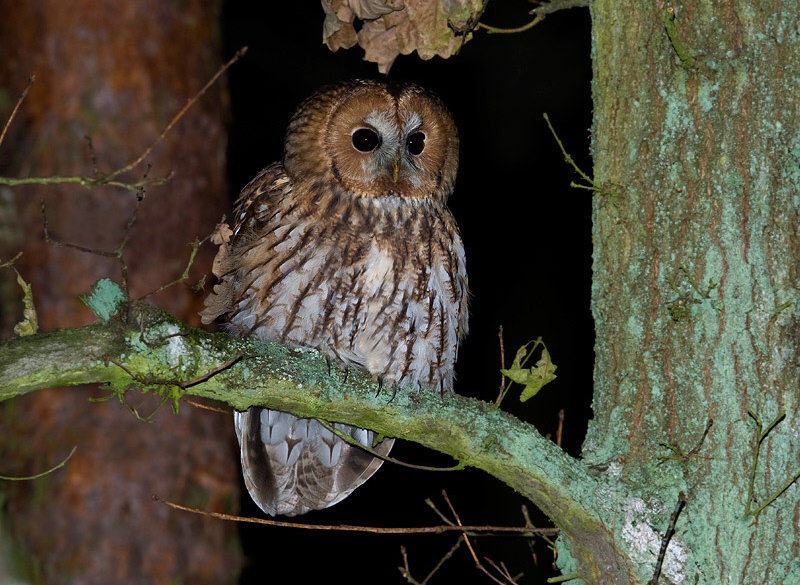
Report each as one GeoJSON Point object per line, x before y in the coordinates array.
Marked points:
{"type": "Point", "coordinates": [347, 247]}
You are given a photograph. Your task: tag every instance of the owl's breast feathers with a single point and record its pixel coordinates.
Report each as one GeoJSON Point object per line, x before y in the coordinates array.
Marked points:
{"type": "Point", "coordinates": [376, 282]}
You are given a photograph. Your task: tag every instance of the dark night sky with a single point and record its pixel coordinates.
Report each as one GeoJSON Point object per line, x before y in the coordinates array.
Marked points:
{"type": "Point", "coordinates": [528, 244]}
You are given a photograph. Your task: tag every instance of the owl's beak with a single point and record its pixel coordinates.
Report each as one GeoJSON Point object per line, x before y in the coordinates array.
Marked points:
{"type": "Point", "coordinates": [396, 167]}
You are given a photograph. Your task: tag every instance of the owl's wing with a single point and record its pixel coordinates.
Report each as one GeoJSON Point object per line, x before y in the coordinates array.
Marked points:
{"type": "Point", "coordinates": [249, 216]}
{"type": "Point", "coordinates": [294, 465]}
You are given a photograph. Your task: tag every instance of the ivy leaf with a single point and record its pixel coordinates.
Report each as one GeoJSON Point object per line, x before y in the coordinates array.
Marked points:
{"type": "Point", "coordinates": [30, 323]}
{"type": "Point", "coordinates": [534, 378]}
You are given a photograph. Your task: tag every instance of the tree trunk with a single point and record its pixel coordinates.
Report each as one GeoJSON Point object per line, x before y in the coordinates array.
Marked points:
{"type": "Point", "coordinates": [116, 72]}
{"type": "Point", "coordinates": [696, 145]}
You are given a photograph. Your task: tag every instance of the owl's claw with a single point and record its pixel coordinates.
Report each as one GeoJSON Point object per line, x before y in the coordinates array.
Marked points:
{"type": "Point", "coordinates": [346, 372]}
{"type": "Point", "coordinates": [380, 386]}
{"type": "Point", "coordinates": [328, 363]}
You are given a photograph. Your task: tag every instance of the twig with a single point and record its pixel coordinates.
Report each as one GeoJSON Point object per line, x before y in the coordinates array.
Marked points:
{"type": "Point", "coordinates": [38, 475]}
{"type": "Point", "coordinates": [696, 449]}
{"type": "Point", "coordinates": [539, 13]}
{"type": "Point", "coordinates": [482, 530]}
{"type": "Point", "coordinates": [560, 428]}
{"type": "Point", "coordinates": [673, 519]}
{"type": "Point", "coordinates": [208, 407]}
{"type": "Point", "coordinates": [117, 254]}
{"type": "Point", "coordinates": [185, 275]}
{"type": "Point", "coordinates": [567, 156]}
{"type": "Point", "coordinates": [211, 373]}
{"type": "Point", "coordinates": [10, 263]}
{"type": "Point", "coordinates": [433, 507]}
{"type": "Point", "coordinates": [352, 441]}
{"type": "Point", "coordinates": [775, 496]}
{"type": "Point", "coordinates": [503, 570]}
{"type": "Point", "coordinates": [478, 564]}
{"type": "Point", "coordinates": [180, 383]}
{"type": "Point", "coordinates": [110, 179]}
{"type": "Point", "coordinates": [405, 570]}
{"type": "Point", "coordinates": [85, 182]}
{"type": "Point", "coordinates": [59, 244]}
{"type": "Point", "coordinates": [238, 55]}
{"type": "Point", "coordinates": [591, 184]}
{"type": "Point", "coordinates": [31, 79]}
{"type": "Point", "coordinates": [760, 435]}
{"type": "Point", "coordinates": [510, 31]}
{"type": "Point", "coordinates": [502, 365]}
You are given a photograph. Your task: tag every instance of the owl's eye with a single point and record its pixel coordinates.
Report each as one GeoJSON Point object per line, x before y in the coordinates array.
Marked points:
{"type": "Point", "coordinates": [416, 143]}
{"type": "Point", "coordinates": [365, 140]}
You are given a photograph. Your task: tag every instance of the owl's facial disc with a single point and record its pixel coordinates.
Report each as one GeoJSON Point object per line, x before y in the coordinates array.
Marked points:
{"type": "Point", "coordinates": [374, 141]}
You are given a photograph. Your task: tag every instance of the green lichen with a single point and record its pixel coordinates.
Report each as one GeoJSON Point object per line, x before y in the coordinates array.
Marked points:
{"type": "Point", "coordinates": [105, 299]}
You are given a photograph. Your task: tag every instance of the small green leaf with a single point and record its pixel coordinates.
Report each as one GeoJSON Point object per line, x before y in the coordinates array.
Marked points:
{"type": "Point", "coordinates": [30, 323]}
{"type": "Point", "coordinates": [532, 378]}
{"type": "Point", "coordinates": [521, 353]}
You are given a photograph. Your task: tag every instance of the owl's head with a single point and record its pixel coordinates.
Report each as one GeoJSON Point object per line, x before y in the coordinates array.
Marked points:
{"type": "Point", "coordinates": [375, 139]}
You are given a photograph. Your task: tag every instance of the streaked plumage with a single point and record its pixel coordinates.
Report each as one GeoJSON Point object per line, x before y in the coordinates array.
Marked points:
{"type": "Point", "coordinates": [354, 253]}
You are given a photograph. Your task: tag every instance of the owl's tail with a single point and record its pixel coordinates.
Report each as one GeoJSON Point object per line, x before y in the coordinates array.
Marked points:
{"type": "Point", "coordinates": [292, 465]}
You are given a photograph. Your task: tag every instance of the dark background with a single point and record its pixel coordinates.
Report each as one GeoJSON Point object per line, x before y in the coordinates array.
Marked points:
{"type": "Point", "coordinates": [528, 244]}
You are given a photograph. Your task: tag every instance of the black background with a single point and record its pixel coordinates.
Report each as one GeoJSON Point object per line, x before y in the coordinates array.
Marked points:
{"type": "Point", "coordinates": [528, 244]}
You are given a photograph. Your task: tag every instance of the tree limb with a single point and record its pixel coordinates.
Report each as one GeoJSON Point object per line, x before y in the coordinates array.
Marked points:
{"type": "Point", "coordinates": [160, 354]}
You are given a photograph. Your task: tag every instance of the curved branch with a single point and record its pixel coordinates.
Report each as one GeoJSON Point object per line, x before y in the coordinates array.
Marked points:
{"type": "Point", "coordinates": [162, 355]}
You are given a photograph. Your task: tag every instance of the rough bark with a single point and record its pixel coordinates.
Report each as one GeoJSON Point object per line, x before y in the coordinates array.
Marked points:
{"type": "Point", "coordinates": [117, 72]}
{"type": "Point", "coordinates": [695, 291]}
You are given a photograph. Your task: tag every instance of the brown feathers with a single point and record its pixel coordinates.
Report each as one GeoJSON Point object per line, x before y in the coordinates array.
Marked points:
{"type": "Point", "coordinates": [346, 247]}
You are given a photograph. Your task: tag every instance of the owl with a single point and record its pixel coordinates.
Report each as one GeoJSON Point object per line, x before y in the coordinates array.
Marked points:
{"type": "Point", "coordinates": [347, 247]}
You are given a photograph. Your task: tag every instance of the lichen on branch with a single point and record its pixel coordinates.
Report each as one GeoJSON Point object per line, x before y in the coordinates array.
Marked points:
{"type": "Point", "coordinates": [137, 344]}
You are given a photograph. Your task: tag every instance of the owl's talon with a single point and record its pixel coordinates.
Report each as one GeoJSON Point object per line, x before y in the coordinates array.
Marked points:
{"type": "Point", "coordinates": [346, 372]}
{"type": "Point", "coordinates": [380, 386]}
{"type": "Point", "coordinates": [328, 363]}
{"type": "Point", "coordinates": [394, 393]}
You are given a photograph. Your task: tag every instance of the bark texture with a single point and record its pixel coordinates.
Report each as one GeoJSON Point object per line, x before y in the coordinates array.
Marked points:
{"type": "Point", "coordinates": [116, 72]}
{"type": "Point", "coordinates": [695, 291]}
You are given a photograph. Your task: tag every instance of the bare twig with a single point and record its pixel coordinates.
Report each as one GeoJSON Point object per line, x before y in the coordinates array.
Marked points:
{"type": "Point", "coordinates": [405, 570]}
{"type": "Point", "coordinates": [481, 530]}
{"type": "Point", "coordinates": [673, 519]}
{"type": "Point", "coordinates": [202, 406]}
{"type": "Point", "coordinates": [760, 435]}
{"type": "Point", "coordinates": [433, 507]}
{"type": "Point", "coordinates": [184, 277]}
{"type": "Point", "coordinates": [238, 55]}
{"type": "Point", "coordinates": [211, 373]}
{"type": "Point", "coordinates": [502, 365]}
{"type": "Point", "coordinates": [180, 383]}
{"type": "Point", "coordinates": [42, 474]}
{"type": "Point", "coordinates": [539, 13]}
{"type": "Point", "coordinates": [510, 31]}
{"type": "Point", "coordinates": [117, 254]}
{"type": "Point", "coordinates": [478, 564]}
{"type": "Point", "coordinates": [59, 244]}
{"type": "Point", "coordinates": [31, 79]}
{"type": "Point", "coordinates": [10, 263]}
{"type": "Point", "coordinates": [560, 428]}
{"type": "Point", "coordinates": [111, 178]}
{"type": "Point", "coordinates": [503, 570]}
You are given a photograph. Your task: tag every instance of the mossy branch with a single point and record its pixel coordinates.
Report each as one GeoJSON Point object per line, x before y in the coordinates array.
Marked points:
{"type": "Point", "coordinates": [137, 344]}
